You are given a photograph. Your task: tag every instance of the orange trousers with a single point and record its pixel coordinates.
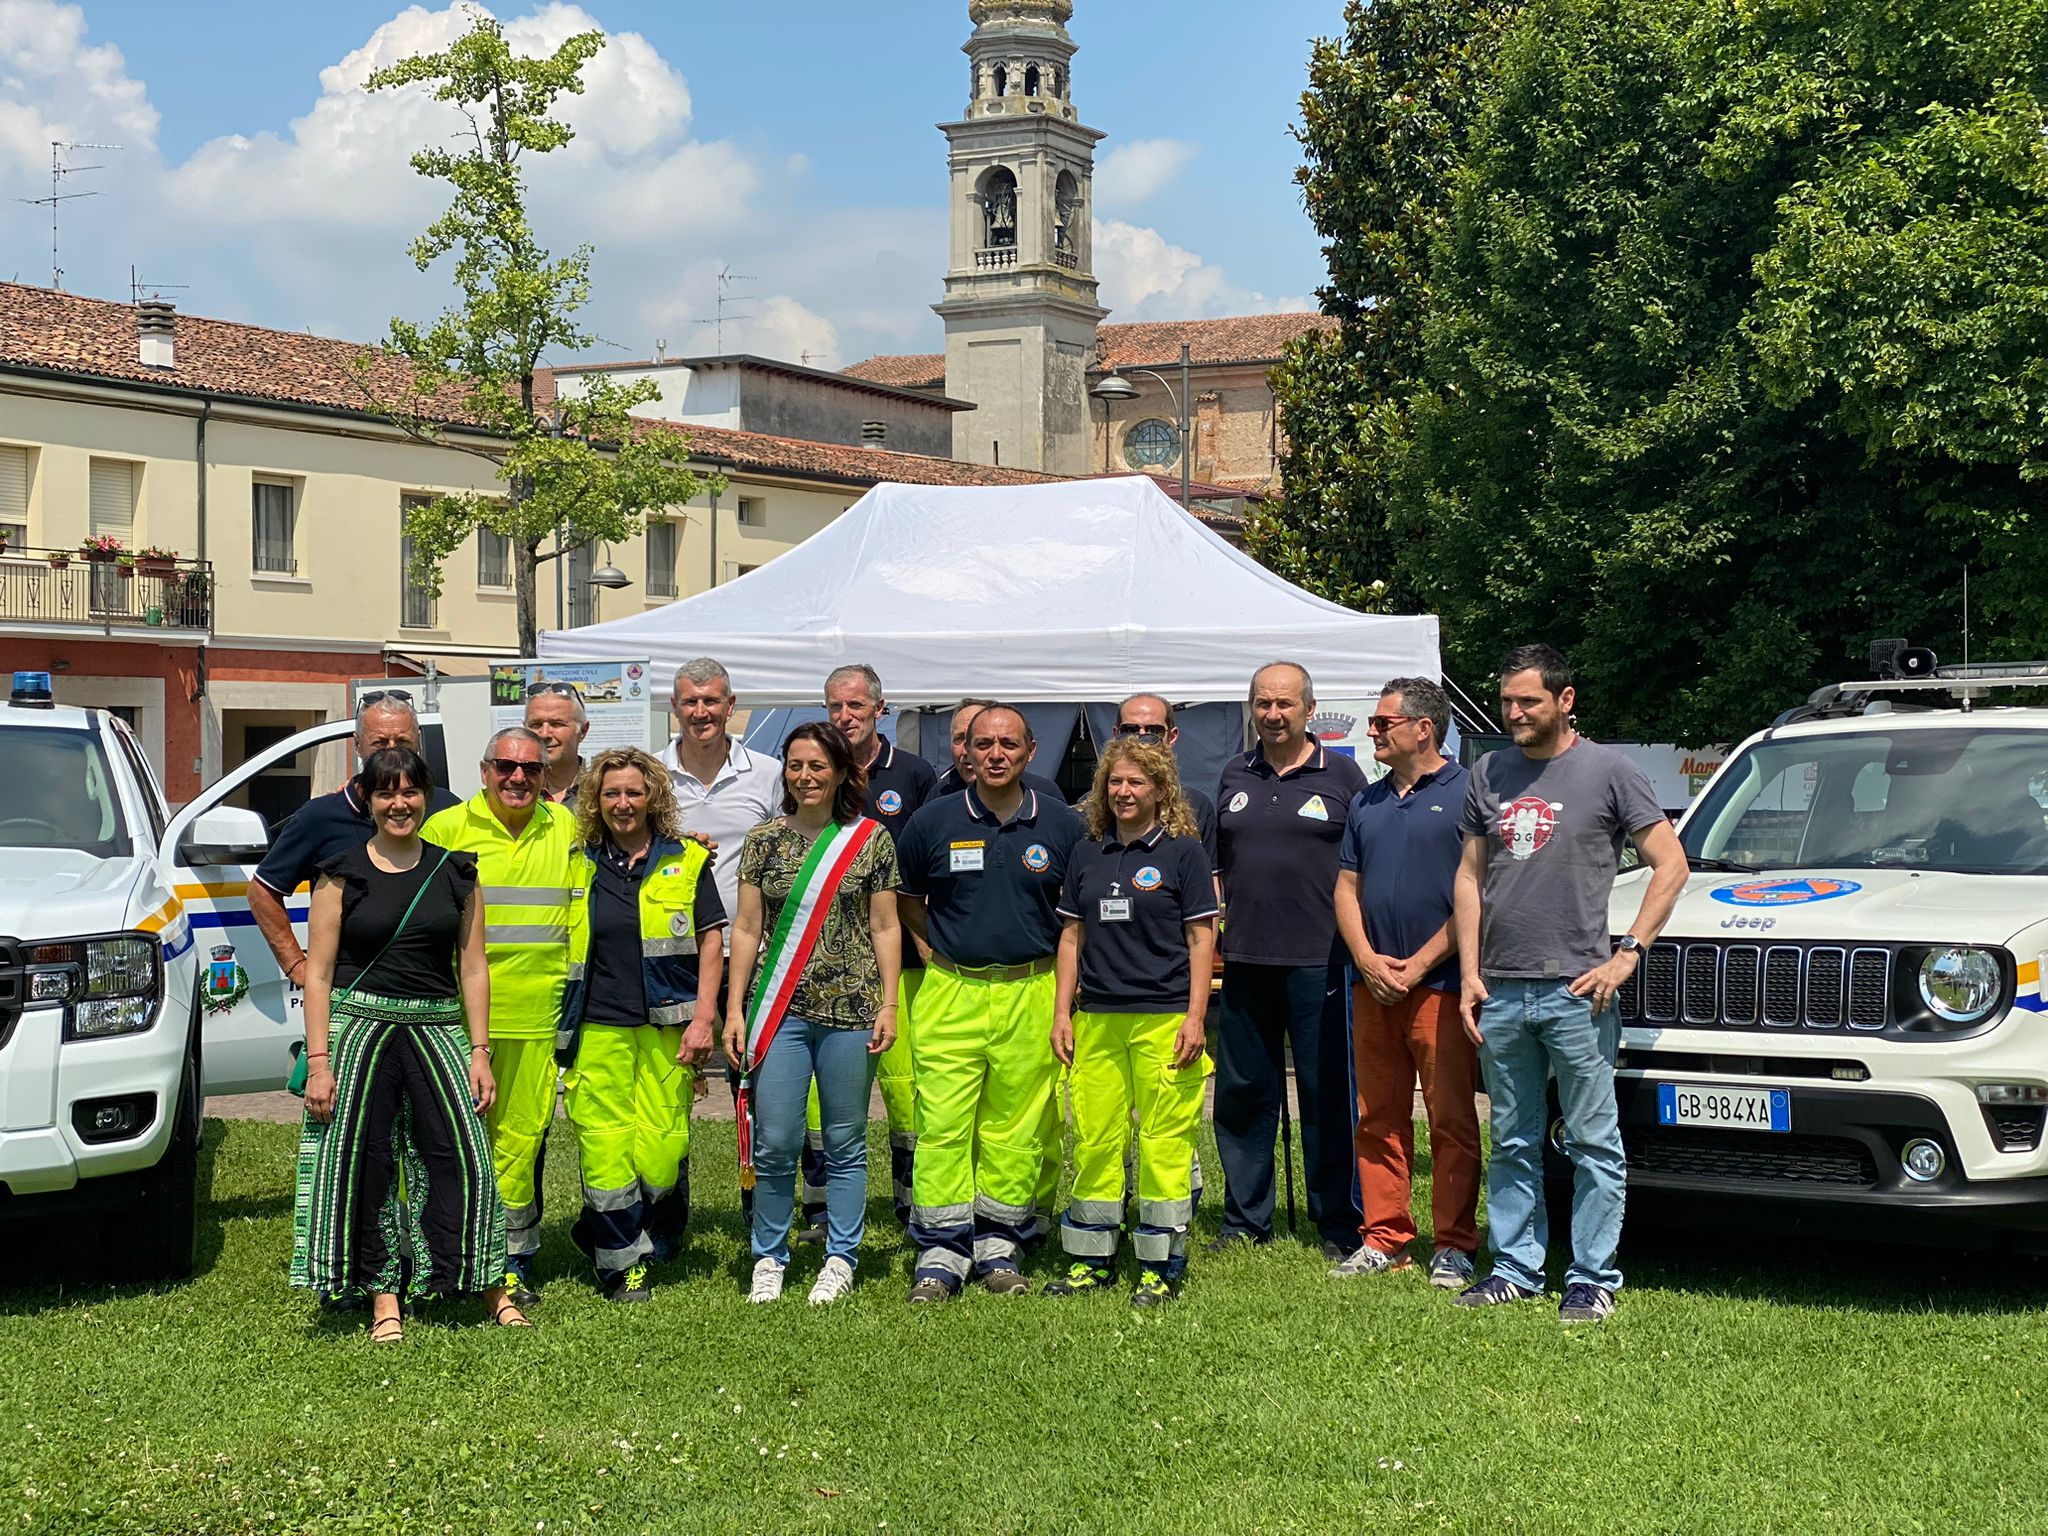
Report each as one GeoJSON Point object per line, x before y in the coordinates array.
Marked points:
{"type": "Point", "coordinates": [1392, 1045]}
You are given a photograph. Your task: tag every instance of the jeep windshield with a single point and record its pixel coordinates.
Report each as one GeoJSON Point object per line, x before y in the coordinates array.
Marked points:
{"type": "Point", "coordinates": [1968, 801]}
{"type": "Point", "coordinates": [56, 792]}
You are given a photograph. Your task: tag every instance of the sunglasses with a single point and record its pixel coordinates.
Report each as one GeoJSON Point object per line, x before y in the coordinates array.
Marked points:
{"type": "Point", "coordinates": [383, 696]}
{"type": "Point", "coordinates": [514, 767]}
{"type": "Point", "coordinates": [1143, 732]}
{"type": "Point", "coordinates": [566, 690]}
{"type": "Point", "coordinates": [1385, 723]}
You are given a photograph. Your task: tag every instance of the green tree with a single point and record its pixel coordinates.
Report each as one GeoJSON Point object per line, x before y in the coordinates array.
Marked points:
{"type": "Point", "coordinates": [587, 471]}
{"type": "Point", "coordinates": [1384, 122]}
{"type": "Point", "coordinates": [1736, 356]}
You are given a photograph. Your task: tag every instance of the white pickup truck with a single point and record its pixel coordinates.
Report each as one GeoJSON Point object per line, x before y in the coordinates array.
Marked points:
{"type": "Point", "coordinates": [133, 981]}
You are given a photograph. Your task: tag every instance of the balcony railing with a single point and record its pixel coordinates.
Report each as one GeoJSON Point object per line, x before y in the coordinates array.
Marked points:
{"type": "Point", "coordinates": [996, 258]}
{"type": "Point", "coordinates": [55, 586]}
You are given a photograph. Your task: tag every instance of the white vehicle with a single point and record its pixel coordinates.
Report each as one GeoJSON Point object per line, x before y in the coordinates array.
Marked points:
{"type": "Point", "coordinates": [1842, 1026]}
{"type": "Point", "coordinates": [133, 981]}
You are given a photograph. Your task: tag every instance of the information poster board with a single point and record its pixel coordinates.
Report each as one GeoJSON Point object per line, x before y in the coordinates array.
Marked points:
{"type": "Point", "coordinates": [614, 693]}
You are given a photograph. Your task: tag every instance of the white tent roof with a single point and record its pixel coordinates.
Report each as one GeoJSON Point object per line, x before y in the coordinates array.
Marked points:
{"type": "Point", "coordinates": [1076, 591]}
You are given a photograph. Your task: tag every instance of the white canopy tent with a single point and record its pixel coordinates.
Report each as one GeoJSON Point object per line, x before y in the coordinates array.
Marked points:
{"type": "Point", "coordinates": [1077, 592]}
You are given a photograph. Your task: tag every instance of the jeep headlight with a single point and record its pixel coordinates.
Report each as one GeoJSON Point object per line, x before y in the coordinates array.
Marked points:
{"type": "Point", "coordinates": [112, 985]}
{"type": "Point", "coordinates": [1961, 985]}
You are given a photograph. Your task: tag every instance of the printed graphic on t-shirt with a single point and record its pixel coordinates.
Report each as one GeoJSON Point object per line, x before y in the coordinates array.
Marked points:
{"type": "Point", "coordinates": [1037, 857]}
{"type": "Point", "coordinates": [888, 802]}
{"type": "Point", "coordinates": [1314, 809]}
{"type": "Point", "coordinates": [1526, 824]}
{"type": "Point", "coordinates": [1238, 801]}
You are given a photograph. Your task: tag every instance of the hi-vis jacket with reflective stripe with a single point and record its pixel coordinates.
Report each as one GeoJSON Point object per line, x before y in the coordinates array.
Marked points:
{"type": "Point", "coordinates": [530, 889]}
{"type": "Point", "coordinates": [668, 938]}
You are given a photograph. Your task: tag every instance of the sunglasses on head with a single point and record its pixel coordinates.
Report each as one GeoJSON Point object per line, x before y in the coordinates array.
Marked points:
{"type": "Point", "coordinates": [514, 767]}
{"type": "Point", "coordinates": [1142, 732]}
{"type": "Point", "coordinates": [383, 696]}
{"type": "Point", "coordinates": [566, 690]}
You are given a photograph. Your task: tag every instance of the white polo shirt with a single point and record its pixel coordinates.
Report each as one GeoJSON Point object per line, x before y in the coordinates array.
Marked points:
{"type": "Point", "coordinates": [746, 792]}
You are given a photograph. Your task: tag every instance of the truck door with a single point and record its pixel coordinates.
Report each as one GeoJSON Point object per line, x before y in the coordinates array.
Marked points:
{"type": "Point", "coordinates": [250, 1015]}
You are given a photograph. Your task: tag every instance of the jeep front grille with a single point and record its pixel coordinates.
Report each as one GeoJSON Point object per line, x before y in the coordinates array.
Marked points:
{"type": "Point", "coordinates": [1703, 984]}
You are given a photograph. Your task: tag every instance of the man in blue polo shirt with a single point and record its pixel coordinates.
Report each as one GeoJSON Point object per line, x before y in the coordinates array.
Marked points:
{"type": "Point", "coordinates": [1395, 879]}
{"type": "Point", "coordinates": [1280, 812]}
{"type": "Point", "coordinates": [982, 872]}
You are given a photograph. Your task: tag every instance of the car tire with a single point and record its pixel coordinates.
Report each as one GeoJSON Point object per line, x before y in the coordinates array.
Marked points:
{"type": "Point", "coordinates": [162, 1231]}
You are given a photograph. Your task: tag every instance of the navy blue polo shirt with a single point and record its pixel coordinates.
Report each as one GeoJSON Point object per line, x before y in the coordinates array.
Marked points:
{"type": "Point", "coordinates": [1205, 819]}
{"type": "Point", "coordinates": [325, 826]}
{"type": "Point", "coordinates": [1277, 839]}
{"type": "Point", "coordinates": [1405, 851]}
{"type": "Point", "coordinates": [991, 889]}
{"type": "Point", "coordinates": [950, 783]}
{"type": "Point", "coordinates": [898, 783]}
{"type": "Point", "coordinates": [1132, 900]}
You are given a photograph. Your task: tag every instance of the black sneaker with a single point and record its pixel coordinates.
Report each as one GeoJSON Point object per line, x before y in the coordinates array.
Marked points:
{"type": "Point", "coordinates": [1493, 1291]}
{"type": "Point", "coordinates": [1153, 1290]}
{"type": "Point", "coordinates": [813, 1235]}
{"type": "Point", "coordinates": [1586, 1304]}
{"type": "Point", "coordinates": [1237, 1242]}
{"type": "Point", "coordinates": [518, 1291]}
{"type": "Point", "coordinates": [633, 1286]}
{"type": "Point", "coordinates": [1004, 1282]}
{"type": "Point", "coordinates": [1079, 1278]}
{"type": "Point", "coordinates": [930, 1291]}
{"type": "Point", "coordinates": [1334, 1252]}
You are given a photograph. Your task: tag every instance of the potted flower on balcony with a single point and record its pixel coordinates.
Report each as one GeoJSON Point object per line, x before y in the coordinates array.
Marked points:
{"type": "Point", "coordinates": [159, 563]}
{"type": "Point", "coordinates": [101, 549]}
{"type": "Point", "coordinates": [59, 558]}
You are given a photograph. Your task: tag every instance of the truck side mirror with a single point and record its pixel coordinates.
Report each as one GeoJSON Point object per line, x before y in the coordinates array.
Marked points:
{"type": "Point", "coordinates": [227, 834]}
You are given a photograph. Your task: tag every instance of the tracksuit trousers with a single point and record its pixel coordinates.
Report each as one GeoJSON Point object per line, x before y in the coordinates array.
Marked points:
{"type": "Point", "coordinates": [629, 1100]}
{"type": "Point", "coordinates": [985, 1075]}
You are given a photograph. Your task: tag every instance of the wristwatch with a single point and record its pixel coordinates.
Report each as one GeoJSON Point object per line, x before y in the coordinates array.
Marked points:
{"type": "Point", "coordinates": [1629, 945]}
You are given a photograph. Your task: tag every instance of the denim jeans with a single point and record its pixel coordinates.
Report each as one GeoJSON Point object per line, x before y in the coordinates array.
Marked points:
{"type": "Point", "coordinates": [1529, 1029]}
{"type": "Point", "coordinates": [839, 1060]}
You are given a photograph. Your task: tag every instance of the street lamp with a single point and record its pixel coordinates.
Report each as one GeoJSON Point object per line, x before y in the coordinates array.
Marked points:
{"type": "Point", "coordinates": [609, 575]}
{"type": "Point", "coordinates": [1117, 387]}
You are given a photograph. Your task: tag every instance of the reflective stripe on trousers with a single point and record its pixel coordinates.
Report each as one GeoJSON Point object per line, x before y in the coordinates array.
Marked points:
{"type": "Point", "coordinates": [629, 1101]}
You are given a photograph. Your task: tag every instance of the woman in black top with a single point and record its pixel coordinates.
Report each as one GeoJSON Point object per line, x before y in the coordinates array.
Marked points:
{"type": "Point", "coordinates": [385, 1041]}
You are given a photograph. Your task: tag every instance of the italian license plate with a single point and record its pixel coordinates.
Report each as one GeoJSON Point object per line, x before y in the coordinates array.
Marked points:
{"type": "Point", "coordinates": [1735, 1109]}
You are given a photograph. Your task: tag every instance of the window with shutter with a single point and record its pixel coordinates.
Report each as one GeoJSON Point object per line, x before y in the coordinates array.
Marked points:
{"type": "Point", "coordinates": [274, 511]}
{"type": "Point", "coordinates": [113, 499]}
{"type": "Point", "coordinates": [661, 559]}
{"type": "Point", "coordinates": [493, 559]}
{"type": "Point", "coordinates": [416, 604]}
{"type": "Point", "coordinates": [14, 473]}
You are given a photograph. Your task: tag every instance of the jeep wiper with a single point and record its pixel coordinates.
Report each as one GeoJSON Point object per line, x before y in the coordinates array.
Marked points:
{"type": "Point", "coordinates": [1700, 861]}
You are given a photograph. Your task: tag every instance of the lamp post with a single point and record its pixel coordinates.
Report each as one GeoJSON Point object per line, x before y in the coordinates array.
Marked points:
{"type": "Point", "coordinates": [1117, 387]}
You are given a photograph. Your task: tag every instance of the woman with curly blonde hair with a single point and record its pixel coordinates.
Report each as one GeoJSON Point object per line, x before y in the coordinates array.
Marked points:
{"type": "Point", "coordinates": [645, 944]}
{"type": "Point", "coordinates": [1140, 911]}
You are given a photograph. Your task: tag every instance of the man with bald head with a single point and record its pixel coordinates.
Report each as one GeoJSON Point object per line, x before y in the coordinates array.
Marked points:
{"type": "Point", "coordinates": [1280, 814]}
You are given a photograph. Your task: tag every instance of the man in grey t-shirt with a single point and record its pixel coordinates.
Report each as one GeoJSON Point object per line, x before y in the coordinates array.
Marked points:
{"type": "Point", "coordinates": [1544, 823]}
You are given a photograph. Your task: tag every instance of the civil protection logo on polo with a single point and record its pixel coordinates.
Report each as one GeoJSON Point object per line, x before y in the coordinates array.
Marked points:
{"type": "Point", "coordinates": [1146, 879]}
{"type": "Point", "coordinates": [1785, 893]}
{"type": "Point", "coordinates": [888, 802]}
{"type": "Point", "coordinates": [1036, 858]}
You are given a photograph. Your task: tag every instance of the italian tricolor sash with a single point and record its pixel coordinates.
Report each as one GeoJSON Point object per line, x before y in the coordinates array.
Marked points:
{"type": "Point", "coordinates": [788, 949]}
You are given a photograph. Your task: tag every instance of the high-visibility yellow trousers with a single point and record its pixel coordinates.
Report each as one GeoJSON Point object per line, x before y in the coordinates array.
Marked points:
{"type": "Point", "coordinates": [518, 1121]}
{"type": "Point", "coordinates": [893, 1076]}
{"type": "Point", "coordinates": [1124, 1062]}
{"type": "Point", "coordinates": [630, 1103]}
{"type": "Point", "coordinates": [984, 1072]}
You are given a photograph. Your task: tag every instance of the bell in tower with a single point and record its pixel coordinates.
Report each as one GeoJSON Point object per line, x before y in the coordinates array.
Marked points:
{"type": "Point", "coordinates": [1020, 305]}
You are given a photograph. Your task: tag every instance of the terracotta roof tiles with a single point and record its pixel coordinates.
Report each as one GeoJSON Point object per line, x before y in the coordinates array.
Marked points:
{"type": "Point", "coordinates": [1138, 344]}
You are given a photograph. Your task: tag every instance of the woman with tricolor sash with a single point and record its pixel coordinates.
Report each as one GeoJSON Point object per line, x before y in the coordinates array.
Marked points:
{"type": "Point", "coordinates": [817, 911]}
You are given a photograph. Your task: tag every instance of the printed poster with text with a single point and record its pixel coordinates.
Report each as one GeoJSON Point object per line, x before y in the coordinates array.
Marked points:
{"type": "Point", "coordinates": [614, 693]}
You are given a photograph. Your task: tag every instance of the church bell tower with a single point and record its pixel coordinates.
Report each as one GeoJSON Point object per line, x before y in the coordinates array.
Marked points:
{"type": "Point", "coordinates": [1020, 307]}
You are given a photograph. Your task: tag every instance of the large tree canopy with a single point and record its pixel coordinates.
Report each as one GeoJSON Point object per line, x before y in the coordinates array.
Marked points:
{"type": "Point", "coordinates": [1733, 351]}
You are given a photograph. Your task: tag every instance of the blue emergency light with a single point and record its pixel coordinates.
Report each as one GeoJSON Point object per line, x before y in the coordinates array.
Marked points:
{"type": "Point", "coordinates": [32, 691]}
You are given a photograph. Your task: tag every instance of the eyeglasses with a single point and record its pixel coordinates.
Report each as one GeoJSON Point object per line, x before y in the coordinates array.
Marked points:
{"type": "Point", "coordinates": [566, 690]}
{"type": "Point", "coordinates": [514, 767]}
{"type": "Point", "coordinates": [384, 696]}
{"type": "Point", "coordinates": [1143, 732]}
{"type": "Point", "coordinates": [1381, 724]}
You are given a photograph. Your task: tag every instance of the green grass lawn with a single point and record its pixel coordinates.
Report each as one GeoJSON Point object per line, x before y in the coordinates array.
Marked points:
{"type": "Point", "coordinates": [1765, 1387]}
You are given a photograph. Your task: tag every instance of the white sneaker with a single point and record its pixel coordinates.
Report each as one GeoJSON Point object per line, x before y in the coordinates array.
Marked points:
{"type": "Point", "coordinates": [767, 1281]}
{"type": "Point", "coordinates": [834, 1281]}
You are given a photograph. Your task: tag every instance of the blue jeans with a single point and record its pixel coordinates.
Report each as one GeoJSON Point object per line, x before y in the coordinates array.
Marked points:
{"type": "Point", "coordinates": [839, 1060]}
{"type": "Point", "coordinates": [1527, 1030]}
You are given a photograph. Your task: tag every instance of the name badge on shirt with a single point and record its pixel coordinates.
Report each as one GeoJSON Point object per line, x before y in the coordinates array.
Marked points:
{"type": "Point", "coordinates": [1113, 909]}
{"type": "Point", "coordinates": [966, 858]}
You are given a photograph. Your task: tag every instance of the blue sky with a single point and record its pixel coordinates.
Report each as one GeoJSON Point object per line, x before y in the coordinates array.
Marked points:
{"type": "Point", "coordinates": [792, 140]}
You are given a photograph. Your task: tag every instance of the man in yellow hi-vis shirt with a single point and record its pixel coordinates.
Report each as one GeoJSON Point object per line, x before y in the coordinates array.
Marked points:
{"type": "Point", "coordinates": [527, 866]}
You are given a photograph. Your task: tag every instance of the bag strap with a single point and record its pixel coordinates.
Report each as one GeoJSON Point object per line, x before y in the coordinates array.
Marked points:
{"type": "Point", "coordinates": [350, 989]}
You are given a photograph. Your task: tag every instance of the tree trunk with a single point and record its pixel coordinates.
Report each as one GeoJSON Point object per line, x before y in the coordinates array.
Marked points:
{"type": "Point", "coordinates": [524, 570]}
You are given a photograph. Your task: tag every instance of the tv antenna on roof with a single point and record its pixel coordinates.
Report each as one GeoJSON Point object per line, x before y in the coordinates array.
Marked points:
{"type": "Point", "coordinates": [726, 278]}
{"type": "Point", "coordinates": [139, 290]}
{"type": "Point", "coordinates": [58, 196]}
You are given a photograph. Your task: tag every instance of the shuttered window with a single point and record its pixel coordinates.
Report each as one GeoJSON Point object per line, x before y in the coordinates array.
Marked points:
{"type": "Point", "coordinates": [14, 465]}
{"type": "Point", "coordinates": [274, 510]}
{"type": "Point", "coordinates": [661, 559]}
{"type": "Point", "coordinates": [493, 558]}
{"type": "Point", "coordinates": [582, 595]}
{"type": "Point", "coordinates": [416, 604]}
{"type": "Point", "coordinates": [113, 499]}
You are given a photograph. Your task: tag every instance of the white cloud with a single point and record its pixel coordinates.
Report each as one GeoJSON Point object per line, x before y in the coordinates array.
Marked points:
{"type": "Point", "coordinates": [53, 85]}
{"type": "Point", "coordinates": [1144, 276]}
{"type": "Point", "coordinates": [1133, 172]}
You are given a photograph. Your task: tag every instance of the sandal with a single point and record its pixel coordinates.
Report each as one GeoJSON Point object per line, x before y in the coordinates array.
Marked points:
{"type": "Point", "coordinates": [518, 1319]}
{"type": "Point", "coordinates": [387, 1330]}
